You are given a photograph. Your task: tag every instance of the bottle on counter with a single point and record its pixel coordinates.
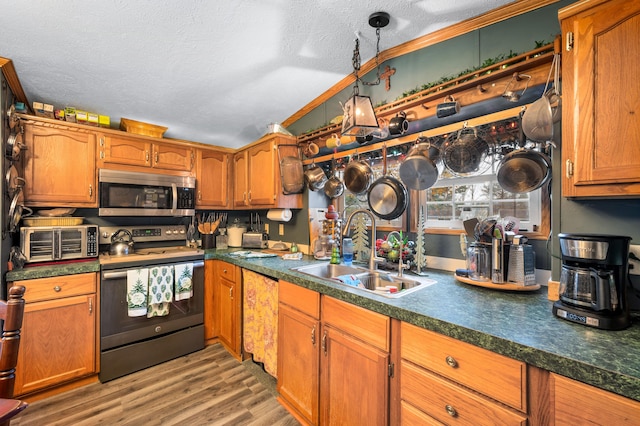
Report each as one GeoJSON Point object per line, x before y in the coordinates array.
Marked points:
{"type": "Point", "coordinates": [347, 251]}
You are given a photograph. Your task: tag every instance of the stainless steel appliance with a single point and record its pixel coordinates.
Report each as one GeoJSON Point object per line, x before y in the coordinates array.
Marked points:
{"type": "Point", "coordinates": [145, 194]}
{"type": "Point", "coordinates": [593, 280]}
{"type": "Point", "coordinates": [132, 343]}
{"type": "Point", "coordinates": [52, 243]}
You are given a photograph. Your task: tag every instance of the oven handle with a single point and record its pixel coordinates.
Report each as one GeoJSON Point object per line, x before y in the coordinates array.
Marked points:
{"type": "Point", "coordinates": [122, 273]}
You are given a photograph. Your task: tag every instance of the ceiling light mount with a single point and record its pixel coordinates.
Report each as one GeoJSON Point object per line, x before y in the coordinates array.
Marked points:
{"type": "Point", "coordinates": [379, 19]}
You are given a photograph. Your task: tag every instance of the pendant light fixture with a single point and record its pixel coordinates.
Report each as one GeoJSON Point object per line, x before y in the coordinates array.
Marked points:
{"type": "Point", "coordinates": [359, 118]}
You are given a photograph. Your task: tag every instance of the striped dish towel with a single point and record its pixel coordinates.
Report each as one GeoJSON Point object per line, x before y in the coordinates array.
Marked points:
{"type": "Point", "coordinates": [137, 285]}
{"type": "Point", "coordinates": [160, 291]}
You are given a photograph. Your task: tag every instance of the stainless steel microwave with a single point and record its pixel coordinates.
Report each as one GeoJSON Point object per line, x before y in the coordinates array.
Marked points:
{"type": "Point", "coordinates": [49, 243]}
{"type": "Point", "coordinates": [145, 194]}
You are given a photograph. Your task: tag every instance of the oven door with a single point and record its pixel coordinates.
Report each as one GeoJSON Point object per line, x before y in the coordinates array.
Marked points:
{"type": "Point", "coordinates": [117, 328]}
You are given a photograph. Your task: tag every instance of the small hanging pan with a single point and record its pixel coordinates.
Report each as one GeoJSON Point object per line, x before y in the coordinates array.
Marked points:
{"type": "Point", "coordinates": [358, 176]}
{"type": "Point", "coordinates": [419, 170]}
{"type": "Point", "coordinates": [387, 196]}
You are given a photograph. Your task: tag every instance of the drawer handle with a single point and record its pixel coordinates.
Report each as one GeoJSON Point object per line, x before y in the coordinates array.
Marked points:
{"type": "Point", "coordinates": [451, 362]}
{"type": "Point", "coordinates": [224, 270]}
{"type": "Point", "coordinates": [57, 288]}
{"type": "Point", "coordinates": [313, 336]}
{"type": "Point", "coordinates": [451, 411]}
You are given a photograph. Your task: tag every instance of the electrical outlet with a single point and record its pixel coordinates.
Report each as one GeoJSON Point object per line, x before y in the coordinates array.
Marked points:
{"type": "Point", "coordinates": [266, 228]}
{"type": "Point", "coordinates": [634, 265]}
{"type": "Point", "coordinates": [281, 229]}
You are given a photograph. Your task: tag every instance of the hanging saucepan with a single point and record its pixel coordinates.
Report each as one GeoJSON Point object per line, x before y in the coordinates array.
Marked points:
{"type": "Point", "coordinates": [13, 181]}
{"type": "Point", "coordinates": [315, 177]}
{"type": "Point", "coordinates": [334, 186]}
{"type": "Point", "coordinates": [14, 147]}
{"type": "Point", "coordinates": [387, 196]}
{"type": "Point", "coordinates": [291, 174]}
{"type": "Point", "coordinates": [540, 116]}
{"type": "Point", "coordinates": [358, 176]}
{"type": "Point", "coordinates": [464, 152]}
{"type": "Point", "coordinates": [421, 167]}
{"type": "Point", "coordinates": [524, 170]}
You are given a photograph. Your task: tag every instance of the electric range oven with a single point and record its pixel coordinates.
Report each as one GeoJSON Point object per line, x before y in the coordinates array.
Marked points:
{"type": "Point", "coordinates": [131, 343]}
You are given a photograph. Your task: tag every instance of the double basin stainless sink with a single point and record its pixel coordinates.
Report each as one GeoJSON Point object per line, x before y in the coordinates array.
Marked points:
{"type": "Point", "coordinates": [374, 281]}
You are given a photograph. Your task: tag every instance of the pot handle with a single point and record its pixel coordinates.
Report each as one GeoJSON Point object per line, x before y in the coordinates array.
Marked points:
{"type": "Point", "coordinates": [121, 231]}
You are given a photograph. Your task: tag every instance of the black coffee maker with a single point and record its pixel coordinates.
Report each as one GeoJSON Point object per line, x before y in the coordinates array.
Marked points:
{"type": "Point", "coordinates": [593, 280]}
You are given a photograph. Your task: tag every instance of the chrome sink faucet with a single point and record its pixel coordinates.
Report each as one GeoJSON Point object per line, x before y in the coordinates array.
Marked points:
{"type": "Point", "coordinates": [401, 264]}
{"type": "Point", "coordinates": [345, 233]}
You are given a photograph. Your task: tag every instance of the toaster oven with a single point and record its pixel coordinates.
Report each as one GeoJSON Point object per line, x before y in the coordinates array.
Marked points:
{"type": "Point", "coordinates": [49, 243]}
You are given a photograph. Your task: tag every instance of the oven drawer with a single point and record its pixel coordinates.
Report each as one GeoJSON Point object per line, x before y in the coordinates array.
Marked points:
{"type": "Point", "coordinates": [58, 287]}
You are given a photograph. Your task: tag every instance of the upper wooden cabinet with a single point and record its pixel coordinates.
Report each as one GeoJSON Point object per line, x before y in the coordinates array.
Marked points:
{"type": "Point", "coordinates": [601, 98]}
{"type": "Point", "coordinates": [59, 166]}
{"type": "Point", "coordinates": [141, 152]}
{"type": "Point", "coordinates": [257, 174]}
{"type": "Point", "coordinates": [212, 179]}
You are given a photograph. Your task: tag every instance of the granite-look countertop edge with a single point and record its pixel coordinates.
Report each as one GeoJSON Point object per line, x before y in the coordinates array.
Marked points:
{"type": "Point", "coordinates": [568, 349]}
{"type": "Point", "coordinates": [31, 273]}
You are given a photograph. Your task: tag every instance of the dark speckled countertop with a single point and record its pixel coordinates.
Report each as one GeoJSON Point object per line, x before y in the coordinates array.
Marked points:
{"type": "Point", "coordinates": [515, 324]}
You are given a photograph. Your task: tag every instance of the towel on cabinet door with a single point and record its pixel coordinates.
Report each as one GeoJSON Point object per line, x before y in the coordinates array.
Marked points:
{"type": "Point", "coordinates": [137, 290]}
{"type": "Point", "coordinates": [183, 286]}
{"type": "Point", "coordinates": [260, 319]}
{"type": "Point", "coordinates": [160, 290]}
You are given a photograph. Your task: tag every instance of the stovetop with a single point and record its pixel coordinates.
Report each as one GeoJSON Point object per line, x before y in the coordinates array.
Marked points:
{"type": "Point", "coordinates": [153, 245]}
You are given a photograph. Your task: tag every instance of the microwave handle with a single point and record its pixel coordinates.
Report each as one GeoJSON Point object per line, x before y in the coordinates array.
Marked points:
{"type": "Point", "coordinates": [174, 189]}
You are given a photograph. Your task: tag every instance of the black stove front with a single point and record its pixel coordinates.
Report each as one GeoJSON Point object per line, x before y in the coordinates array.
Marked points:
{"type": "Point", "coordinates": [131, 341]}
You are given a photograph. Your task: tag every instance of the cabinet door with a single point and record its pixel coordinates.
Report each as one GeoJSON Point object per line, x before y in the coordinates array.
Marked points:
{"type": "Point", "coordinates": [299, 361]}
{"type": "Point", "coordinates": [227, 313]}
{"type": "Point", "coordinates": [262, 174]}
{"type": "Point", "coordinates": [240, 179]}
{"type": "Point", "coordinates": [127, 150]}
{"type": "Point", "coordinates": [354, 384]}
{"type": "Point", "coordinates": [58, 342]}
{"type": "Point", "coordinates": [212, 179]}
{"type": "Point", "coordinates": [60, 167]}
{"type": "Point", "coordinates": [601, 98]}
{"type": "Point", "coordinates": [173, 157]}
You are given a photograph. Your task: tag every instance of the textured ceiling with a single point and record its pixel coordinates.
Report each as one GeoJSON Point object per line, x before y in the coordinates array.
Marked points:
{"type": "Point", "coordinates": [216, 72]}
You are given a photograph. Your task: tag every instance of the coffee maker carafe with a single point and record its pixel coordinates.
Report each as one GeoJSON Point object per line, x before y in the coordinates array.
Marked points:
{"type": "Point", "coordinates": [593, 280]}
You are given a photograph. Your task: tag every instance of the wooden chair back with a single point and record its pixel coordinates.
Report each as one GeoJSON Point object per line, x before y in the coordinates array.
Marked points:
{"type": "Point", "coordinates": [11, 312]}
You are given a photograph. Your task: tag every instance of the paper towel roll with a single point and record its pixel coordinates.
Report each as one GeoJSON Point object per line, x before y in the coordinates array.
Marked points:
{"type": "Point", "coordinates": [279, 215]}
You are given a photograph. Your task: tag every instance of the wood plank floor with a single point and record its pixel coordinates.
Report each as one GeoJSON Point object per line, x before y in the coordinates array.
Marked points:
{"type": "Point", "coordinates": [208, 387]}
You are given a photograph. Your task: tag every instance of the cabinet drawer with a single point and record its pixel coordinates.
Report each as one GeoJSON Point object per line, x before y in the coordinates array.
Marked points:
{"type": "Point", "coordinates": [411, 416]}
{"type": "Point", "coordinates": [305, 300]}
{"type": "Point", "coordinates": [450, 403]}
{"type": "Point", "coordinates": [225, 270]}
{"type": "Point", "coordinates": [58, 287]}
{"type": "Point", "coordinates": [494, 375]}
{"type": "Point", "coordinates": [577, 403]}
{"type": "Point", "coordinates": [361, 323]}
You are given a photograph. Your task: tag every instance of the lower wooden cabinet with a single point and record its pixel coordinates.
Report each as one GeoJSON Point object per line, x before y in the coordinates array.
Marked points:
{"type": "Point", "coordinates": [576, 403]}
{"type": "Point", "coordinates": [355, 365]}
{"type": "Point", "coordinates": [457, 383]}
{"type": "Point", "coordinates": [58, 339]}
{"type": "Point", "coordinates": [223, 305]}
{"type": "Point", "coordinates": [299, 351]}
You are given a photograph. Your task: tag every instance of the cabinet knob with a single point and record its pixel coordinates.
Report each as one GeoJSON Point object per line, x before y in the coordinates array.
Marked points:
{"type": "Point", "coordinates": [451, 362]}
{"type": "Point", "coordinates": [451, 411]}
{"type": "Point", "coordinates": [57, 288]}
